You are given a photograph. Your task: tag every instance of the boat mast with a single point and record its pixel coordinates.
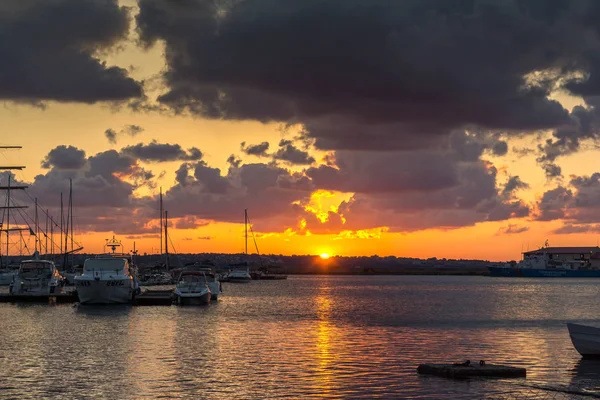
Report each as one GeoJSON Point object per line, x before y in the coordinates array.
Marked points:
{"type": "Point", "coordinates": [61, 223]}
{"type": "Point", "coordinates": [5, 224]}
{"type": "Point", "coordinates": [7, 217]}
{"type": "Point", "coordinates": [46, 233]}
{"type": "Point", "coordinates": [161, 221]}
{"type": "Point", "coordinates": [166, 239]}
{"type": "Point", "coordinates": [71, 211]}
{"type": "Point", "coordinates": [52, 236]}
{"type": "Point", "coordinates": [65, 259]}
{"type": "Point", "coordinates": [37, 227]}
{"type": "Point", "coordinates": [246, 230]}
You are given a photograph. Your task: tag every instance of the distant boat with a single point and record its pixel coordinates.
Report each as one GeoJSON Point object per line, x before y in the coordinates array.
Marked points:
{"type": "Point", "coordinates": [554, 262]}
{"type": "Point", "coordinates": [585, 339]}
{"type": "Point", "coordinates": [192, 289]}
{"type": "Point", "coordinates": [241, 275]}
{"type": "Point", "coordinates": [36, 277]}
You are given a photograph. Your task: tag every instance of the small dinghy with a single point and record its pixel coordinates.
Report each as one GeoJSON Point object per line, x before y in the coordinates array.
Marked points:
{"type": "Point", "coordinates": [586, 339]}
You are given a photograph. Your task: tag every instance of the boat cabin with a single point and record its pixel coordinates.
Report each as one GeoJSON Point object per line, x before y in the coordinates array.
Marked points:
{"type": "Point", "coordinates": [564, 254]}
{"type": "Point", "coordinates": [118, 265]}
{"type": "Point", "coordinates": [38, 269]}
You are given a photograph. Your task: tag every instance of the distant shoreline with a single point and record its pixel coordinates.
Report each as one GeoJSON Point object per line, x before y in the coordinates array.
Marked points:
{"type": "Point", "coordinates": [410, 271]}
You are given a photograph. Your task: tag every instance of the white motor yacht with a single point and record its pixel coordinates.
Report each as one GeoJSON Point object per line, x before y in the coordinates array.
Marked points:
{"type": "Point", "coordinates": [239, 276]}
{"type": "Point", "coordinates": [192, 288]}
{"type": "Point", "coordinates": [106, 280]}
{"type": "Point", "coordinates": [35, 278]}
{"type": "Point", "coordinates": [212, 281]}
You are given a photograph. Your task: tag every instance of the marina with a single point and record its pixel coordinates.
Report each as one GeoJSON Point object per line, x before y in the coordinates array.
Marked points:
{"type": "Point", "coordinates": [324, 329]}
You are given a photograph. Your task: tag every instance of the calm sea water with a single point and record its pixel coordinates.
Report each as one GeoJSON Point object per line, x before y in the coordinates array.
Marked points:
{"type": "Point", "coordinates": [308, 336]}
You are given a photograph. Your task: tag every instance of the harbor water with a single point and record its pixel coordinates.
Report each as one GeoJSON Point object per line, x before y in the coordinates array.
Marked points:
{"type": "Point", "coordinates": [307, 337]}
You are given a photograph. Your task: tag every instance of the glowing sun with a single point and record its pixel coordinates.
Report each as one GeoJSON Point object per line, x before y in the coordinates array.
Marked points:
{"type": "Point", "coordinates": [324, 256]}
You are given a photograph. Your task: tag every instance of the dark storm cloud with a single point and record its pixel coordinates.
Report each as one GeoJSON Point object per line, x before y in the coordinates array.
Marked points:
{"type": "Point", "coordinates": [260, 149]}
{"type": "Point", "coordinates": [64, 157]}
{"type": "Point", "coordinates": [48, 50]}
{"type": "Point", "coordinates": [162, 152]}
{"type": "Point", "coordinates": [288, 152]}
{"type": "Point", "coordinates": [567, 139]}
{"type": "Point", "coordinates": [130, 130]}
{"type": "Point", "coordinates": [428, 65]}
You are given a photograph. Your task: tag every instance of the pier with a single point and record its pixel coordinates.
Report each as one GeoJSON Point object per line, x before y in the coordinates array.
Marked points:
{"type": "Point", "coordinates": [64, 297]}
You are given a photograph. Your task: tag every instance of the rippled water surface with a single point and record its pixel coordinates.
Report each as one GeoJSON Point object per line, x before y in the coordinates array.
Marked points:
{"type": "Point", "coordinates": [308, 336]}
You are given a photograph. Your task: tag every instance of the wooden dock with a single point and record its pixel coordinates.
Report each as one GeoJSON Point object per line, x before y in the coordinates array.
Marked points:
{"type": "Point", "coordinates": [154, 298]}
{"type": "Point", "coordinates": [473, 370]}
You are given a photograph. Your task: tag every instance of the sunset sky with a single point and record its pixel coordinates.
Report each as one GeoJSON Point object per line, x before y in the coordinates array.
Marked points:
{"type": "Point", "coordinates": [414, 128]}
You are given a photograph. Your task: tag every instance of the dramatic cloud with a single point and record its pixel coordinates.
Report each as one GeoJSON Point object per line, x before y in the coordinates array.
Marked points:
{"type": "Point", "coordinates": [49, 51]}
{"type": "Point", "coordinates": [384, 62]}
{"type": "Point", "coordinates": [64, 157]}
{"type": "Point", "coordinates": [553, 204]}
{"type": "Point", "coordinates": [130, 130]}
{"type": "Point", "coordinates": [265, 190]}
{"type": "Point", "coordinates": [162, 152]}
{"type": "Point", "coordinates": [260, 149]}
{"type": "Point", "coordinates": [413, 190]}
{"type": "Point", "coordinates": [290, 153]}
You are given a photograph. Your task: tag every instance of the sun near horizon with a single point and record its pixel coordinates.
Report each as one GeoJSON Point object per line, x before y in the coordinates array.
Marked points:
{"type": "Point", "coordinates": [324, 256]}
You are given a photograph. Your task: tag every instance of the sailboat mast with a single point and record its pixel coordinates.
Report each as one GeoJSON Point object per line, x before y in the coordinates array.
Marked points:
{"type": "Point", "coordinates": [161, 220]}
{"type": "Point", "coordinates": [61, 223]}
{"type": "Point", "coordinates": [37, 226]}
{"type": "Point", "coordinates": [7, 216]}
{"type": "Point", "coordinates": [167, 239]}
{"type": "Point", "coordinates": [71, 211]}
{"type": "Point", "coordinates": [52, 235]}
{"type": "Point", "coordinates": [246, 230]}
{"type": "Point", "coordinates": [66, 238]}
{"type": "Point", "coordinates": [5, 224]}
{"type": "Point", "coordinates": [46, 233]}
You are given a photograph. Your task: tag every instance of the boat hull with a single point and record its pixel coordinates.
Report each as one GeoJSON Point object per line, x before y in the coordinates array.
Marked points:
{"type": "Point", "coordinates": [239, 280]}
{"type": "Point", "coordinates": [543, 273]}
{"type": "Point", "coordinates": [6, 278]}
{"type": "Point", "coordinates": [118, 291]}
{"type": "Point", "coordinates": [585, 339]}
{"type": "Point", "coordinates": [184, 299]}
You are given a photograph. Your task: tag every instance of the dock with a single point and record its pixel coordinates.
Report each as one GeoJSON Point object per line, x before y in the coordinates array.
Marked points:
{"type": "Point", "coordinates": [473, 370]}
{"type": "Point", "coordinates": [65, 297]}
{"type": "Point", "coordinates": [154, 298]}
